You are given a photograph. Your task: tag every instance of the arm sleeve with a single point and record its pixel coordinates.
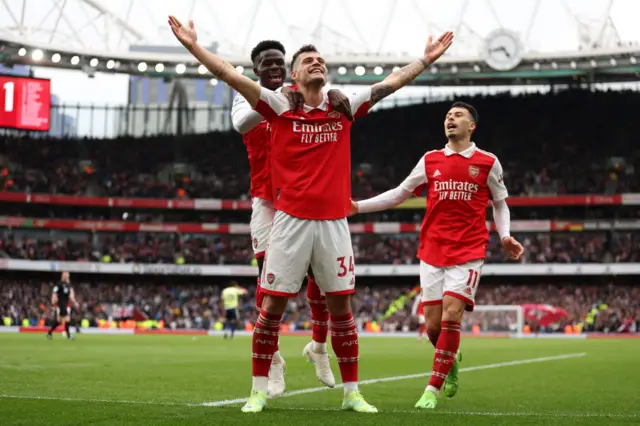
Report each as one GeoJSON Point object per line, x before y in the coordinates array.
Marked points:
{"type": "Point", "coordinates": [271, 104]}
{"type": "Point", "coordinates": [384, 201]}
{"type": "Point", "coordinates": [360, 102]}
{"type": "Point", "coordinates": [397, 195]}
{"type": "Point", "coordinates": [243, 117]}
{"type": "Point", "coordinates": [495, 182]}
{"type": "Point", "coordinates": [502, 218]}
{"type": "Point", "coordinates": [416, 178]}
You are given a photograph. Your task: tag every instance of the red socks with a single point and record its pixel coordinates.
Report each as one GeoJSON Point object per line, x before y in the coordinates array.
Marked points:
{"type": "Point", "coordinates": [264, 343]}
{"type": "Point", "coordinates": [319, 313]}
{"type": "Point", "coordinates": [446, 348]}
{"type": "Point", "coordinates": [344, 340]}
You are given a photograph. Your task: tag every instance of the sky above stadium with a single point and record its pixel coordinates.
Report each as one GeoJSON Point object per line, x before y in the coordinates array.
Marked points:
{"type": "Point", "coordinates": [338, 27]}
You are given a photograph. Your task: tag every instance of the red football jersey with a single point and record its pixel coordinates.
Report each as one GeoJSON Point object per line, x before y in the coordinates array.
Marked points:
{"type": "Point", "coordinates": [255, 134]}
{"type": "Point", "coordinates": [257, 141]}
{"type": "Point", "coordinates": [459, 187]}
{"type": "Point", "coordinates": [311, 156]}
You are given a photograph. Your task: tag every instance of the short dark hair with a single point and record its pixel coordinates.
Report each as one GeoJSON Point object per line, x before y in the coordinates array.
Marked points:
{"type": "Point", "coordinates": [472, 111]}
{"type": "Point", "coordinates": [266, 45]}
{"type": "Point", "coordinates": [304, 49]}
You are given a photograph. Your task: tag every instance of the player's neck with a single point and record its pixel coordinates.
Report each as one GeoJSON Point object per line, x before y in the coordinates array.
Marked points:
{"type": "Point", "coordinates": [312, 95]}
{"type": "Point", "coordinates": [459, 145]}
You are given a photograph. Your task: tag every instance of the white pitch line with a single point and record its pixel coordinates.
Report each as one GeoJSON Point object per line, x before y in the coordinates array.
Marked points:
{"type": "Point", "coordinates": [407, 377]}
{"type": "Point", "coordinates": [95, 400]}
{"type": "Point", "coordinates": [322, 389]}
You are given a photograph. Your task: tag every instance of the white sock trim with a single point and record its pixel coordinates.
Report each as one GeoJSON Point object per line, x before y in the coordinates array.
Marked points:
{"type": "Point", "coordinates": [318, 347]}
{"type": "Point", "coordinates": [350, 386]}
{"type": "Point", "coordinates": [260, 384]}
{"type": "Point", "coordinates": [277, 359]}
{"type": "Point", "coordinates": [433, 389]}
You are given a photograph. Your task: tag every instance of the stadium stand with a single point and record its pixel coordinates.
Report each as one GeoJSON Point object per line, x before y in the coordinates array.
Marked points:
{"type": "Point", "coordinates": [572, 175]}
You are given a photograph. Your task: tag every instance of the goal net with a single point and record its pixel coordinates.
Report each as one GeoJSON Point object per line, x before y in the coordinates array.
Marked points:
{"type": "Point", "coordinates": [494, 319]}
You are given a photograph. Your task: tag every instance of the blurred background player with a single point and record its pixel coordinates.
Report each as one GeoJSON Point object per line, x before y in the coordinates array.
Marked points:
{"type": "Point", "coordinates": [61, 299]}
{"type": "Point", "coordinates": [269, 66]}
{"type": "Point", "coordinates": [310, 159]}
{"type": "Point", "coordinates": [418, 311]}
{"type": "Point", "coordinates": [460, 180]}
{"type": "Point", "coordinates": [230, 296]}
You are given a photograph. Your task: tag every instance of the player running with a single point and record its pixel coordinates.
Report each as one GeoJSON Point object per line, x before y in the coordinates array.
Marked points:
{"type": "Point", "coordinates": [62, 297]}
{"type": "Point", "coordinates": [311, 178]}
{"type": "Point", "coordinates": [460, 180]}
{"type": "Point", "coordinates": [230, 297]}
{"type": "Point", "coordinates": [269, 66]}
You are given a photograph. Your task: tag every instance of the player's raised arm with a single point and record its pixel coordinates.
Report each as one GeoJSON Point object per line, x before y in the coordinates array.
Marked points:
{"type": "Point", "coordinates": [393, 197]}
{"type": "Point", "coordinates": [220, 68]}
{"type": "Point", "coordinates": [408, 73]}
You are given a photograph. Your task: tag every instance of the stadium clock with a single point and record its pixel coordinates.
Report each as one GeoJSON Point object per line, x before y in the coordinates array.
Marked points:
{"type": "Point", "coordinates": [502, 50]}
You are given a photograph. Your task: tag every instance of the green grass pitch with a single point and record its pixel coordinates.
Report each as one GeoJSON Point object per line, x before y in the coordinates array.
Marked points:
{"type": "Point", "coordinates": [185, 380]}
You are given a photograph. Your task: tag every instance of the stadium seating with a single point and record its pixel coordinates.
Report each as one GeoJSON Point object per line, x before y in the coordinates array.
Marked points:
{"type": "Point", "coordinates": [550, 145]}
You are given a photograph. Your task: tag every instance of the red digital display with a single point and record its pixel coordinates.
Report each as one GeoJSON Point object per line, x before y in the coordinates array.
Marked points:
{"type": "Point", "coordinates": [25, 103]}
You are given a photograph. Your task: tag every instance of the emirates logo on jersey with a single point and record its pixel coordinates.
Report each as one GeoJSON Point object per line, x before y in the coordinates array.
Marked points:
{"type": "Point", "coordinates": [474, 171]}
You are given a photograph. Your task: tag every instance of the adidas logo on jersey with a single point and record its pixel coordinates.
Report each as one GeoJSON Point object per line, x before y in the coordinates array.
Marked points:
{"type": "Point", "coordinates": [436, 173]}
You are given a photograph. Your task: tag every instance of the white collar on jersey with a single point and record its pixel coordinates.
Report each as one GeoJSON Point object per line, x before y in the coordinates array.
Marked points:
{"type": "Point", "coordinates": [322, 106]}
{"type": "Point", "coordinates": [467, 153]}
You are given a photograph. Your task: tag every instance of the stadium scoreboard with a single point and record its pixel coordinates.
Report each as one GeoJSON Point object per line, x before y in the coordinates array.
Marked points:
{"type": "Point", "coordinates": [25, 103]}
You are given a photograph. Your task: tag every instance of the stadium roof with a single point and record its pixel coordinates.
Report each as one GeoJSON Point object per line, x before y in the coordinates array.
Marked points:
{"type": "Point", "coordinates": [347, 27]}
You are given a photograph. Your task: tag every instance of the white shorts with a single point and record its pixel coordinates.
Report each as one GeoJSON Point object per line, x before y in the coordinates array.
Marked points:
{"type": "Point", "coordinates": [261, 221]}
{"type": "Point", "coordinates": [459, 281]}
{"type": "Point", "coordinates": [296, 244]}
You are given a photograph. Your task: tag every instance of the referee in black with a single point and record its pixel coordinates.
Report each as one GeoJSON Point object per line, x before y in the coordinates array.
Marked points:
{"type": "Point", "coordinates": [61, 299]}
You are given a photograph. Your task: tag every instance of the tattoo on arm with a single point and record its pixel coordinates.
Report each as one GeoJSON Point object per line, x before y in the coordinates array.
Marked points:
{"type": "Point", "coordinates": [397, 80]}
{"type": "Point", "coordinates": [379, 92]}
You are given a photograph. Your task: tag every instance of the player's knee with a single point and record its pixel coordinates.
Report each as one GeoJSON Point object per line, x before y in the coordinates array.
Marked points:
{"type": "Point", "coordinates": [433, 327]}
{"type": "Point", "coordinates": [339, 305]}
{"type": "Point", "coordinates": [452, 309]}
{"type": "Point", "coordinates": [274, 305]}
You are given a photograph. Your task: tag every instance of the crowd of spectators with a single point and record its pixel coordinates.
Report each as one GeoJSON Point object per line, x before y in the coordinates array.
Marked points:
{"type": "Point", "coordinates": [198, 305]}
{"type": "Point", "coordinates": [401, 249]}
{"type": "Point", "coordinates": [559, 143]}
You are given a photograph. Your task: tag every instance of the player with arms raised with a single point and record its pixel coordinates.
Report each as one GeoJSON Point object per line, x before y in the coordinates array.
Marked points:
{"type": "Point", "coordinates": [460, 180]}
{"type": "Point", "coordinates": [311, 178]}
{"type": "Point", "coordinates": [61, 298]}
{"type": "Point", "coordinates": [269, 66]}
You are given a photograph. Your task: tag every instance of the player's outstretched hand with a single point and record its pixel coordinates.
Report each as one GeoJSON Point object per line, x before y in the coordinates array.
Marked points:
{"type": "Point", "coordinates": [354, 208]}
{"type": "Point", "coordinates": [186, 35]}
{"type": "Point", "coordinates": [513, 247]}
{"type": "Point", "coordinates": [340, 103]}
{"type": "Point", "coordinates": [296, 99]}
{"type": "Point", "coordinates": [434, 50]}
